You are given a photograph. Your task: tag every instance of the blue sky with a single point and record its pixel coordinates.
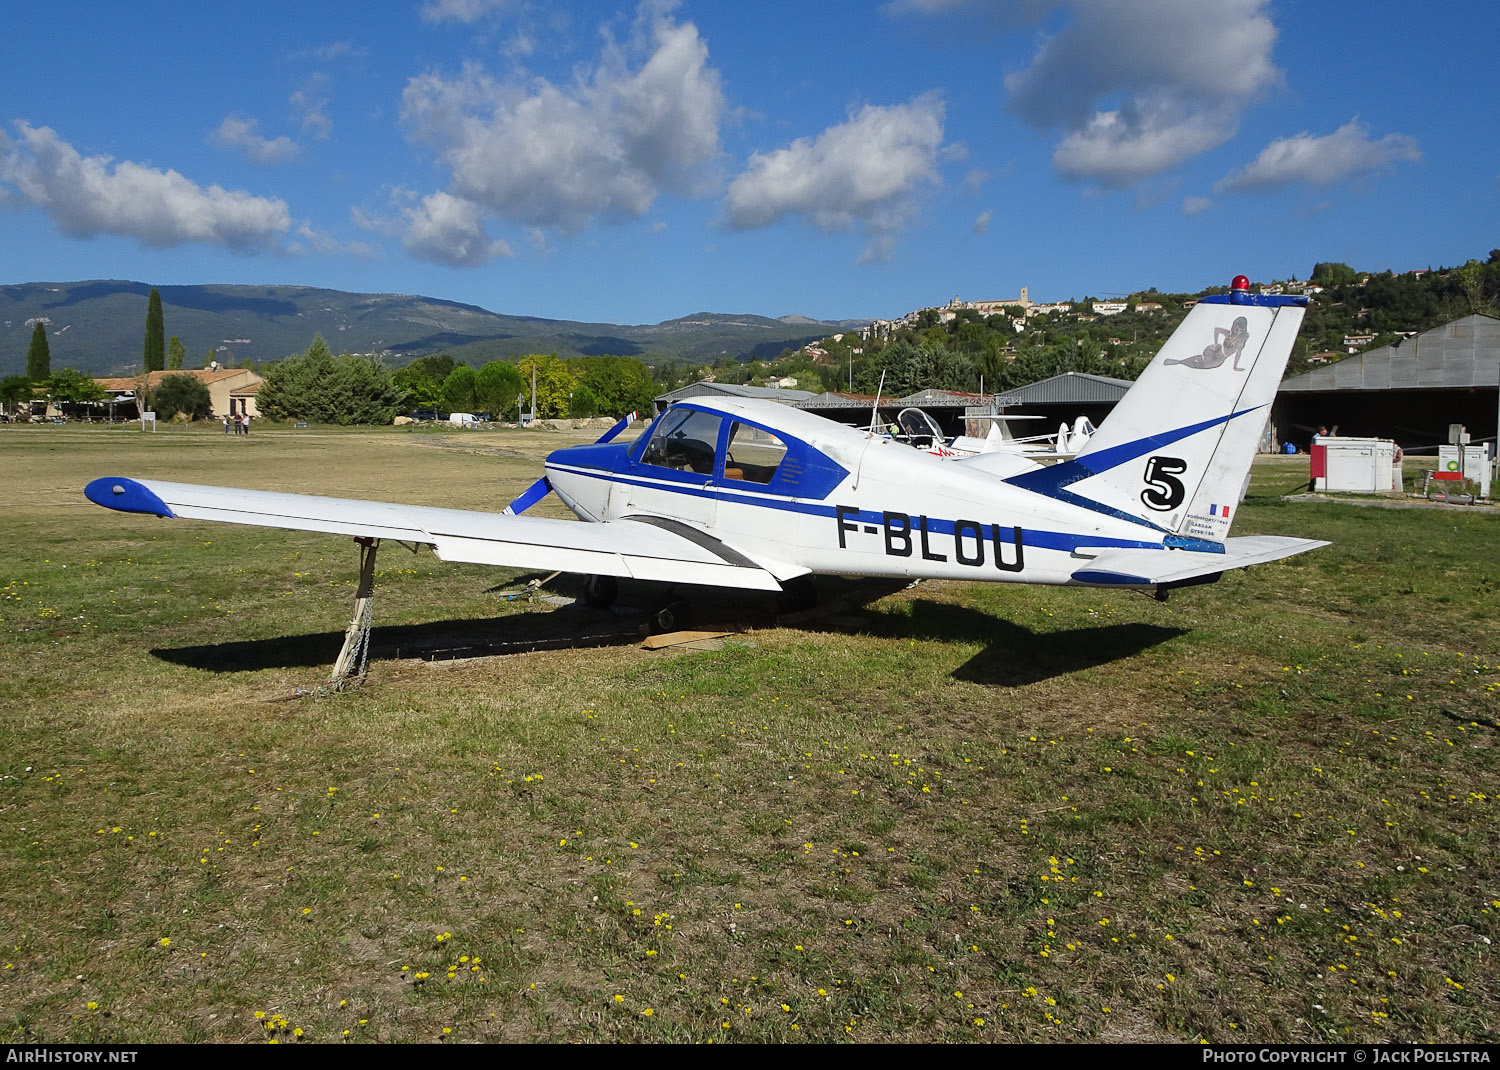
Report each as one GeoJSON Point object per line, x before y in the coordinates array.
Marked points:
{"type": "Point", "coordinates": [630, 163]}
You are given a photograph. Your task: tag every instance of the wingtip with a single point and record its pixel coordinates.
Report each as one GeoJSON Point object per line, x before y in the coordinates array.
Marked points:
{"type": "Point", "coordinates": [126, 496]}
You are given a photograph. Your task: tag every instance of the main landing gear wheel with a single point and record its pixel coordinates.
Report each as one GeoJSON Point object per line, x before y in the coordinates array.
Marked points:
{"type": "Point", "coordinates": [797, 595]}
{"type": "Point", "coordinates": [672, 617]}
{"type": "Point", "coordinates": [600, 591]}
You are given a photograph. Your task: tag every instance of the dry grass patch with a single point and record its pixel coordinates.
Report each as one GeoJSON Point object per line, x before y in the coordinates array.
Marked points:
{"type": "Point", "coordinates": [1259, 812]}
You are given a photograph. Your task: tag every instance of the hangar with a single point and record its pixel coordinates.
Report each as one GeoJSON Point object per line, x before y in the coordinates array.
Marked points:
{"type": "Point", "coordinates": [1062, 397]}
{"type": "Point", "coordinates": [1410, 391]}
{"type": "Point", "coordinates": [729, 390]}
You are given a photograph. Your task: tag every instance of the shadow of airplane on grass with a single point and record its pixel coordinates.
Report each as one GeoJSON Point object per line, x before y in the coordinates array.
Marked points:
{"type": "Point", "coordinates": [567, 627]}
{"type": "Point", "coordinates": [1012, 656]}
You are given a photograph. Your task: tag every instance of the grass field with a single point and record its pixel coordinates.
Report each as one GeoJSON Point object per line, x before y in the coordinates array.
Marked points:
{"type": "Point", "coordinates": [1264, 811]}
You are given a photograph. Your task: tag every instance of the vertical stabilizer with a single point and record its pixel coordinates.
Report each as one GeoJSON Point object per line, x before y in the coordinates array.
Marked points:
{"type": "Point", "coordinates": [1175, 451]}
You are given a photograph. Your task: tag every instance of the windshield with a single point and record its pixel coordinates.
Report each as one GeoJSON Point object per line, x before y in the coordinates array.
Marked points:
{"type": "Point", "coordinates": [685, 440]}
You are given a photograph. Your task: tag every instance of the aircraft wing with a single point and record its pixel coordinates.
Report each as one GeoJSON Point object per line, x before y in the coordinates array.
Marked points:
{"type": "Point", "coordinates": [645, 549]}
{"type": "Point", "coordinates": [1149, 568]}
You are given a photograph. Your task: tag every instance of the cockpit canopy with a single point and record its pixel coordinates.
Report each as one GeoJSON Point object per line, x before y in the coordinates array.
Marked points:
{"type": "Point", "coordinates": [918, 428]}
{"type": "Point", "coordinates": [706, 446]}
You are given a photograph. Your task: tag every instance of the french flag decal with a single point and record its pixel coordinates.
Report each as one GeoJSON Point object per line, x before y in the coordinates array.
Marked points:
{"type": "Point", "coordinates": [1219, 510]}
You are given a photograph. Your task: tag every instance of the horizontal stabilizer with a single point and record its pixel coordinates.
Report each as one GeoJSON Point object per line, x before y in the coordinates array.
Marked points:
{"type": "Point", "coordinates": [1155, 568]}
{"type": "Point", "coordinates": [625, 548]}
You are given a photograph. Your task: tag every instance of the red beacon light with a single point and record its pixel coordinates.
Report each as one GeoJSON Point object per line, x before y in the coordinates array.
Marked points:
{"type": "Point", "coordinates": [1240, 283]}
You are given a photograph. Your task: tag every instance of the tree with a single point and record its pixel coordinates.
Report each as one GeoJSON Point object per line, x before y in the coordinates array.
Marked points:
{"type": "Point", "coordinates": [183, 393]}
{"type": "Point", "coordinates": [156, 338]}
{"type": "Point", "coordinates": [461, 388]}
{"type": "Point", "coordinates": [436, 366]}
{"type": "Point", "coordinates": [619, 384]}
{"type": "Point", "coordinates": [1333, 273]}
{"type": "Point", "coordinates": [499, 384]}
{"type": "Point", "coordinates": [554, 382]}
{"type": "Point", "coordinates": [38, 355]}
{"type": "Point", "coordinates": [15, 390]}
{"type": "Point", "coordinates": [418, 391]}
{"type": "Point", "coordinates": [320, 388]}
{"type": "Point", "coordinates": [68, 385]}
{"type": "Point", "coordinates": [421, 381]}
{"type": "Point", "coordinates": [1471, 278]}
{"type": "Point", "coordinates": [211, 356]}
{"type": "Point", "coordinates": [176, 353]}
{"type": "Point", "coordinates": [581, 403]}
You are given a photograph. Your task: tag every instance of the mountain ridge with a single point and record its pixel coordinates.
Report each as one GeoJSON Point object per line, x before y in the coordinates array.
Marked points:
{"type": "Point", "coordinates": [97, 325]}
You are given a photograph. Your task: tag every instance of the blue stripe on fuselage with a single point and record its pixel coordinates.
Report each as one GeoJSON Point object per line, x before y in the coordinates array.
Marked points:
{"type": "Point", "coordinates": [1047, 540]}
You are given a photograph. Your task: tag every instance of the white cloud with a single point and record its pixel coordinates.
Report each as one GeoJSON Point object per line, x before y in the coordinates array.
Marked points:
{"type": "Point", "coordinates": [644, 122]}
{"type": "Point", "coordinates": [866, 171]}
{"type": "Point", "coordinates": [1118, 148]}
{"type": "Point", "coordinates": [882, 248]}
{"type": "Point", "coordinates": [450, 230]}
{"type": "Point", "coordinates": [1193, 205]}
{"type": "Point", "coordinates": [89, 195]}
{"type": "Point", "coordinates": [1139, 88]}
{"type": "Point", "coordinates": [520, 46]}
{"type": "Point", "coordinates": [311, 103]}
{"type": "Point", "coordinates": [1348, 152]}
{"type": "Point", "coordinates": [329, 52]}
{"type": "Point", "coordinates": [982, 221]}
{"type": "Point", "coordinates": [319, 241]}
{"type": "Point", "coordinates": [465, 11]}
{"type": "Point", "coordinates": [239, 133]}
{"type": "Point", "coordinates": [1000, 12]}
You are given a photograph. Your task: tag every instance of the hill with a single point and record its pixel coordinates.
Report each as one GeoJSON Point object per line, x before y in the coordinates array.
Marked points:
{"type": "Point", "coordinates": [97, 326]}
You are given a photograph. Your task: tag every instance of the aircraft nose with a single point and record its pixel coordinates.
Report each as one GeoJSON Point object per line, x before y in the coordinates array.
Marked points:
{"type": "Point", "coordinates": [606, 458]}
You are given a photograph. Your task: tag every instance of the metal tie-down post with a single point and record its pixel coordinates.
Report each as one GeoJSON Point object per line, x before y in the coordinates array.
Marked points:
{"type": "Point", "coordinates": [349, 669]}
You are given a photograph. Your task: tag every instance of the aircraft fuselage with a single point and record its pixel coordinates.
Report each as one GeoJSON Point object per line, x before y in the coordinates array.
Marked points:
{"type": "Point", "coordinates": [861, 504]}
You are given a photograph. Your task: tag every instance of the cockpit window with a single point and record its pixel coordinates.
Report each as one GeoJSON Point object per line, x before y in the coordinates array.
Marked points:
{"type": "Point", "coordinates": [754, 454]}
{"type": "Point", "coordinates": [685, 439]}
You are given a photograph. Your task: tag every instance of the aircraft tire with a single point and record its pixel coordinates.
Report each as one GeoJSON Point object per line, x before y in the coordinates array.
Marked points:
{"type": "Point", "coordinates": [672, 617]}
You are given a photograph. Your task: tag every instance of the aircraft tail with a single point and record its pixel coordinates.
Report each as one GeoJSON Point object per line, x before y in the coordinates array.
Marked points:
{"type": "Point", "coordinates": [1175, 453]}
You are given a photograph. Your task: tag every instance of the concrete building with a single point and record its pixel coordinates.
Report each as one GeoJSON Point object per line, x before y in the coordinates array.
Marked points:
{"type": "Point", "coordinates": [985, 308]}
{"type": "Point", "coordinates": [231, 390]}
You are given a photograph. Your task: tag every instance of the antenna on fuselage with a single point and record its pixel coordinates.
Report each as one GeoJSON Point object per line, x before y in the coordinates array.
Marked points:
{"type": "Point", "coordinates": [875, 409]}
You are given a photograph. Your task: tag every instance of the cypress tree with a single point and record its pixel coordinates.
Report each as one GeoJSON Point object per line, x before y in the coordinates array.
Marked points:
{"type": "Point", "coordinates": [156, 337]}
{"type": "Point", "coordinates": [38, 356]}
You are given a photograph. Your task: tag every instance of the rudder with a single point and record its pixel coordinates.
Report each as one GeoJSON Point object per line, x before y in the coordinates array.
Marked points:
{"type": "Point", "coordinates": [1175, 451]}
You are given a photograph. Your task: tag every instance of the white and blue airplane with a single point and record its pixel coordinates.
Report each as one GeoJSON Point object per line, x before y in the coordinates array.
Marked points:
{"type": "Point", "coordinates": [754, 495]}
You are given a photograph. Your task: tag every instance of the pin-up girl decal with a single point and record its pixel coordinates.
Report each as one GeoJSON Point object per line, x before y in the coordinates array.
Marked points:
{"type": "Point", "coordinates": [1228, 343]}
